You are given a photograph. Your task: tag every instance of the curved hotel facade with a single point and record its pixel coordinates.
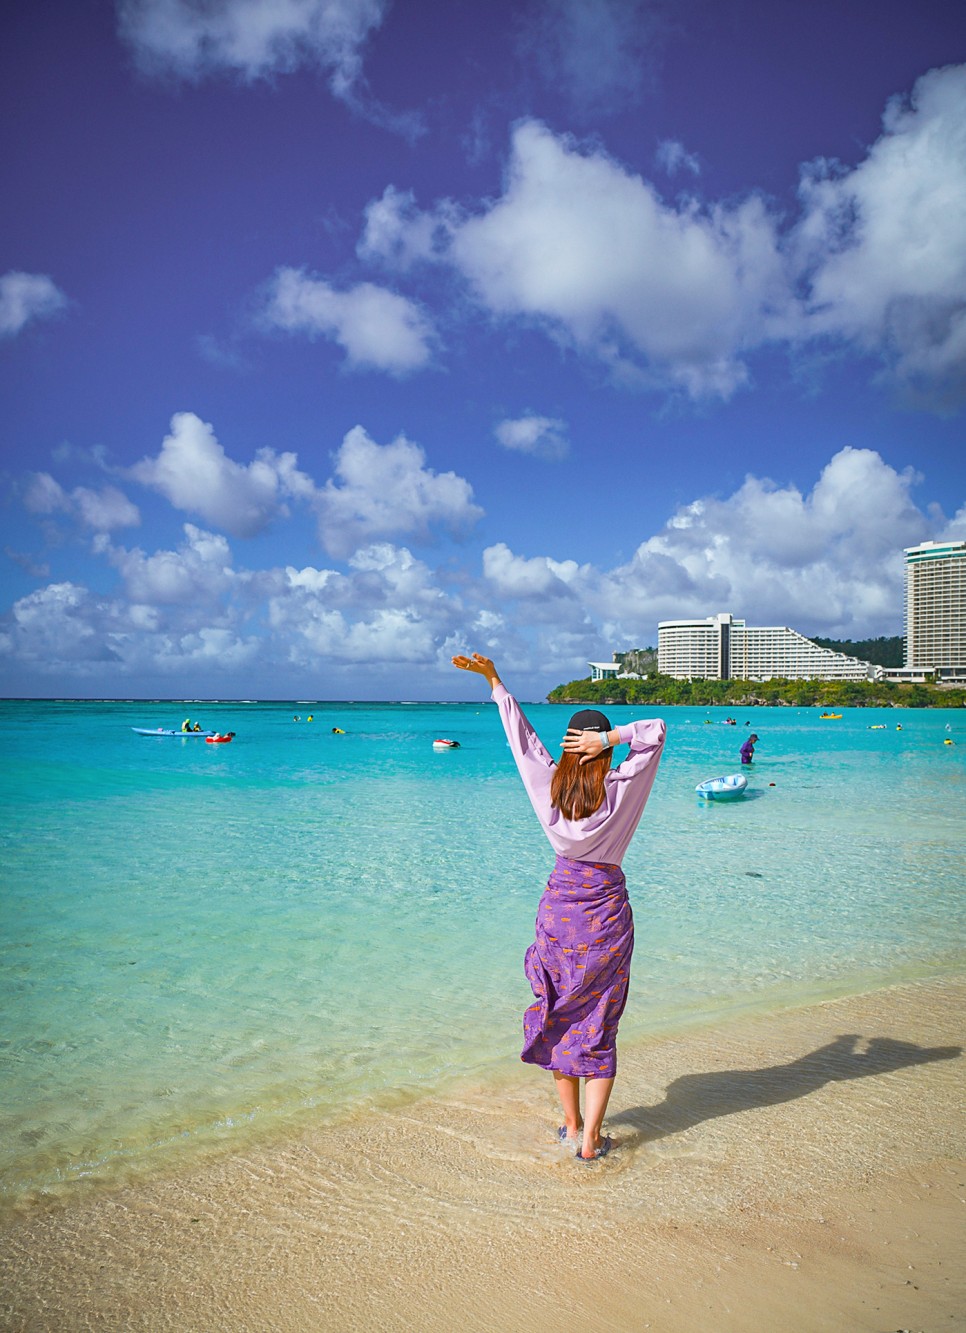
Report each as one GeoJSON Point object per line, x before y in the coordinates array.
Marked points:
{"type": "Point", "coordinates": [722, 648]}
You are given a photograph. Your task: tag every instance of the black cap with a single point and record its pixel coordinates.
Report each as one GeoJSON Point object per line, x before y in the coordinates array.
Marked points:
{"type": "Point", "coordinates": [588, 719]}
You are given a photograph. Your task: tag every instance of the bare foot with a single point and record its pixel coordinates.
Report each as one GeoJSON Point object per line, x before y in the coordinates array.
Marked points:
{"type": "Point", "coordinates": [590, 1150]}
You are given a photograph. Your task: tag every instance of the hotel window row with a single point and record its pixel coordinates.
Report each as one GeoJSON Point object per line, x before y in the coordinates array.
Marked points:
{"type": "Point", "coordinates": [722, 648]}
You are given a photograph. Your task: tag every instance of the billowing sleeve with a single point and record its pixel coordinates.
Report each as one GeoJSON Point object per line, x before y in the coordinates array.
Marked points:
{"type": "Point", "coordinates": [646, 740]}
{"type": "Point", "coordinates": [534, 762]}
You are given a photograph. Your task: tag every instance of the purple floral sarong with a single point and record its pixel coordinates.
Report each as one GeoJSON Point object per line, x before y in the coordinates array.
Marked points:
{"type": "Point", "coordinates": [578, 967]}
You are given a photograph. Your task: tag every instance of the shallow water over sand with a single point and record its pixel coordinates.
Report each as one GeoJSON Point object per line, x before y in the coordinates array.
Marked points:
{"type": "Point", "coordinates": [203, 945]}
{"type": "Point", "coordinates": [775, 1171]}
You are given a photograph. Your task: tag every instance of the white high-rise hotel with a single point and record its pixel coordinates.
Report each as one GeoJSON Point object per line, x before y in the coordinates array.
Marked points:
{"type": "Point", "coordinates": [722, 648]}
{"type": "Point", "coordinates": [936, 609]}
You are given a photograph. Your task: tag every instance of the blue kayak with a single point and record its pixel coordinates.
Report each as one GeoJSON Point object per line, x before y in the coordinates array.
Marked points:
{"type": "Point", "coordinates": [722, 789]}
{"type": "Point", "coordinates": [168, 731]}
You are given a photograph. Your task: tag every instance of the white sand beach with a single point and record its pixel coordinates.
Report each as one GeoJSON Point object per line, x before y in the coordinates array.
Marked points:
{"type": "Point", "coordinates": [803, 1170]}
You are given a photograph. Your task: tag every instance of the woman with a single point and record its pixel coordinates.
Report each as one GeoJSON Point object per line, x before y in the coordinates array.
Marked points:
{"type": "Point", "coordinates": [578, 965]}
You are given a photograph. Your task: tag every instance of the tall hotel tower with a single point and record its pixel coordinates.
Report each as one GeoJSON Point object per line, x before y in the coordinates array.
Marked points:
{"type": "Point", "coordinates": [936, 608]}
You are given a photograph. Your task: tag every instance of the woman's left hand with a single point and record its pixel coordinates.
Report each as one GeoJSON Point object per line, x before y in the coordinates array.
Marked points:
{"type": "Point", "coordinates": [588, 744]}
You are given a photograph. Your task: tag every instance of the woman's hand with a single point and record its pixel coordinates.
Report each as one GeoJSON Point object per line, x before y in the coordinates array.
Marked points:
{"type": "Point", "coordinates": [480, 664]}
{"type": "Point", "coordinates": [588, 744]}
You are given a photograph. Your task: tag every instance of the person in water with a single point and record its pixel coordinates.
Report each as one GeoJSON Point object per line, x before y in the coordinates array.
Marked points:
{"type": "Point", "coordinates": [579, 963]}
{"type": "Point", "coordinates": [748, 749]}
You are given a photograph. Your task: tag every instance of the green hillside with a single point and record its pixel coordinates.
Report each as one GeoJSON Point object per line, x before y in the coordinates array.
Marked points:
{"type": "Point", "coordinates": [658, 689]}
{"type": "Point", "coordinates": [887, 652]}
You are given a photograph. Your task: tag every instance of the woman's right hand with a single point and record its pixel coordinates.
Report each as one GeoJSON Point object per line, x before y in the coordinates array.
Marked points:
{"type": "Point", "coordinates": [481, 665]}
{"type": "Point", "coordinates": [588, 744]}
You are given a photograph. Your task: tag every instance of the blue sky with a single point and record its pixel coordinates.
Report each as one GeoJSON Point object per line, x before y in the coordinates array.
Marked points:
{"type": "Point", "coordinates": [337, 336]}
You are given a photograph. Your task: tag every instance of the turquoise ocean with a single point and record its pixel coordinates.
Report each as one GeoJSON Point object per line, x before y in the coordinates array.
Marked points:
{"type": "Point", "coordinates": [204, 944]}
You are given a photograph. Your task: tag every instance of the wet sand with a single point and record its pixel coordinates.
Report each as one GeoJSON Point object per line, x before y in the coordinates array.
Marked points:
{"type": "Point", "coordinates": [801, 1171]}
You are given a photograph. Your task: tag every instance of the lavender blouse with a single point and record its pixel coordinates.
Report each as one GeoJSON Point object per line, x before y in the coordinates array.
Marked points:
{"type": "Point", "coordinates": [603, 836]}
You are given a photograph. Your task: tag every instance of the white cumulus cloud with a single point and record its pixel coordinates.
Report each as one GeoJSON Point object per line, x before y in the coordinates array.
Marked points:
{"type": "Point", "coordinates": [537, 577]}
{"type": "Point", "coordinates": [388, 608]}
{"type": "Point", "coordinates": [387, 635]}
{"type": "Point", "coordinates": [543, 437]}
{"type": "Point", "coordinates": [883, 243]}
{"type": "Point", "coordinates": [377, 328]}
{"type": "Point", "coordinates": [828, 560]}
{"type": "Point", "coordinates": [387, 490]}
{"type": "Point", "coordinates": [62, 626]}
{"type": "Point", "coordinates": [679, 295]}
{"type": "Point", "coordinates": [955, 529]}
{"type": "Point", "coordinates": [395, 230]}
{"type": "Point", "coordinates": [590, 251]}
{"type": "Point", "coordinates": [822, 554]}
{"type": "Point", "coordinates": [67, 632]}
{"type": "Point", "coordinates": [195, 576]}
{"type": "Point", "coordinates": [25, 297]}
{"type": "Point", "coordinates": [824, 560]}
{"type": "Point", "coordinates": [211, 646]}
{"type": "Point", "coordinates": [195, 474]}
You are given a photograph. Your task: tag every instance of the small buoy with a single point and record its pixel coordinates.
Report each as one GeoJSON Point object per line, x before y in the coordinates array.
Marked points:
{"type": "Point", "coordinates": [771, 784]}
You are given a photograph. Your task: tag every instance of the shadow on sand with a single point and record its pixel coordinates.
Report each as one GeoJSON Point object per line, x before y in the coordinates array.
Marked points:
{"type": "Point", "coordinates": [694, 1098]}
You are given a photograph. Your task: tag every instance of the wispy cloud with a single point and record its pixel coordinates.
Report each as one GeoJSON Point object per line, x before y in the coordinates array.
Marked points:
{"type": "Point", "coordinates": [543, 437]}
{"type": "Point", "coordinates": [193, 40]}
{"type": "Point", "coordinates": [25, 298]}
{"type": "Point", "coordinates": [673, 157]}
{"type": "Point", "coordinates": [599, 54]}
{"type": "Point", "coordinates": [101, 510]}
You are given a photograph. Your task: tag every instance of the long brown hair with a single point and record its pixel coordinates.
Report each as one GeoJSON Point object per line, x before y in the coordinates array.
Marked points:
{"type": "Point", "coordinates": [577, 789]}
